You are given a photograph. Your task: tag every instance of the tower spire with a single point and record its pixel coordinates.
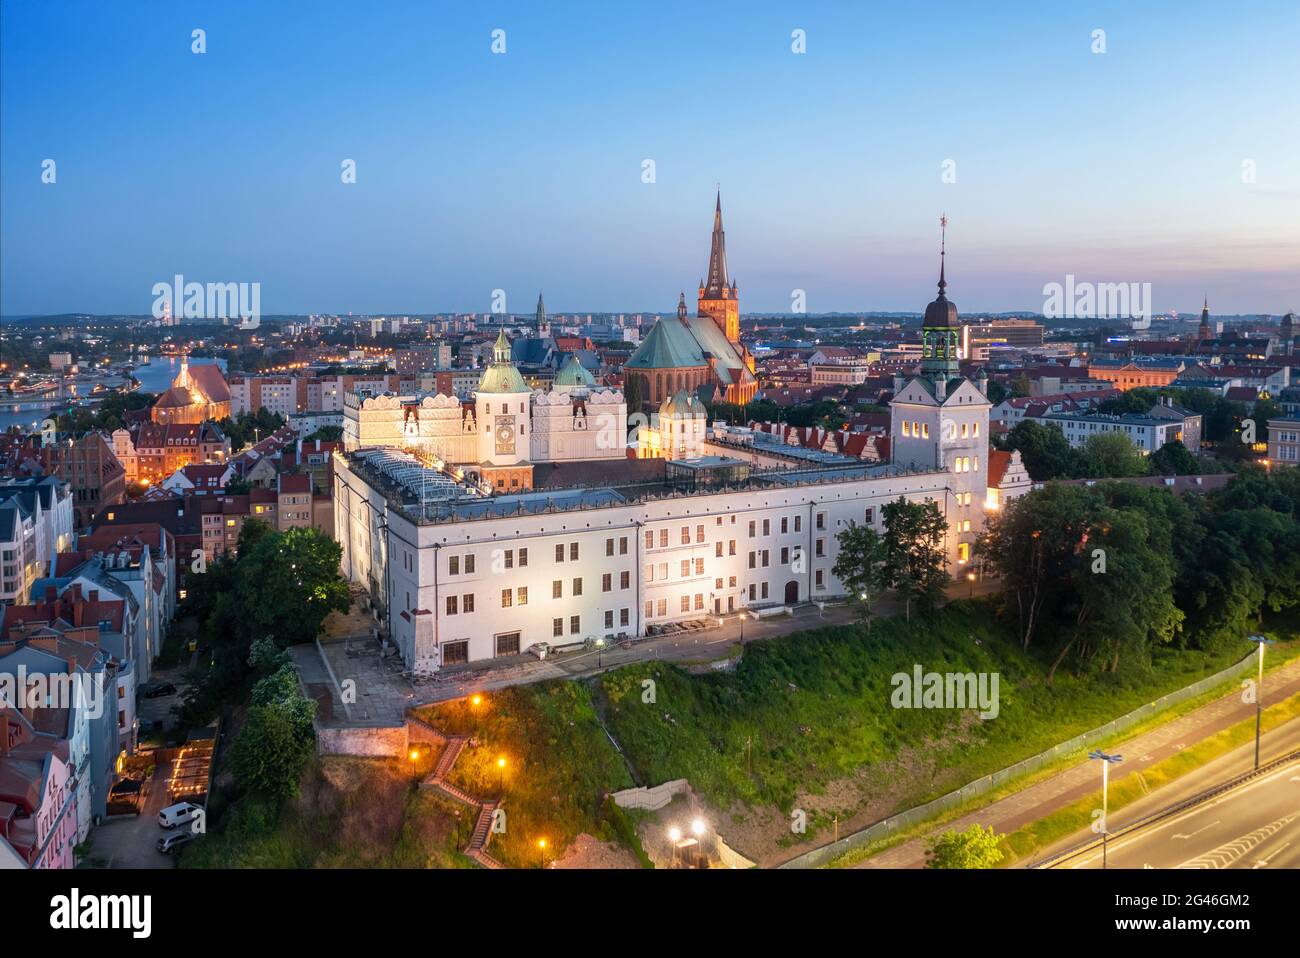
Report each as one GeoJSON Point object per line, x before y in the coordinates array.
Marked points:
{"type": "Point", "coordinates": [943, 239]}
{"type": "Point", "coordinates": [717, 281]}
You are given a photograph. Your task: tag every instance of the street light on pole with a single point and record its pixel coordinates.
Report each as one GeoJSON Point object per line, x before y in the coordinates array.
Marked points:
{"type": "Point", "coordinates": [600, 653]}
{"type": "Point", "coordinates": [1106, 761]}
{"type": "Point", "coordinates": [1260, 641]}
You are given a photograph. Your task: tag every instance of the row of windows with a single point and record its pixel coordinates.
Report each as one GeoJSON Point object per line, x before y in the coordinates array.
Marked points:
{"type": "Point", "coordinates": [963, 464]}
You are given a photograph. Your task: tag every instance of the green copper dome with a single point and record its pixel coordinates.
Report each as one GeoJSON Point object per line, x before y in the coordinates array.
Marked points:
{"type": "Point", "coordinates": [573, 373]}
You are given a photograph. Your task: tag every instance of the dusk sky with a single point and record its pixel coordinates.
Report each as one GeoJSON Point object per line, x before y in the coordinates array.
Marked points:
{"type": "Point", "coordinates": [523, 171]}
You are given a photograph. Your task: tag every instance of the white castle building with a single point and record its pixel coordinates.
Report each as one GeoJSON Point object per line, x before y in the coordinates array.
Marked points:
{"type": "Point", "coordinates": [495, 439]}
{"type": "Point", "coordinates": [468, 562]}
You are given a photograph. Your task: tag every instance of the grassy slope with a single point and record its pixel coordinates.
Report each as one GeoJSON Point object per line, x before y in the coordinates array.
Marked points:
{"type": "Point", "coordinates": [351, 813]}
{"type": "Point", "coordinates": [816, 708]}
{"type": "Point", "coordinates": [559, 764]}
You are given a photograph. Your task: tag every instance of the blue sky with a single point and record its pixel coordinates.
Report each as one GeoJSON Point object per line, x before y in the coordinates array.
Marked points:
{"type": "Point", "coordinates": [523, 171]}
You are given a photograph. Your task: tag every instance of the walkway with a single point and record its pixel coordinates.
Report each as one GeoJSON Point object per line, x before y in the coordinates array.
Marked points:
{"type": "Point", "coordinates": [452, 746]}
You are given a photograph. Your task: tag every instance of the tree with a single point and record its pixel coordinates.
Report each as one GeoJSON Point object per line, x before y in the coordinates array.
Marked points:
{"type": "Point", "coordinates": [272, 749]}
{"type": "Point", "coordinates": [1112, 455]}
{"type": "Point", "coordinates": [914, 566]}
{"type": "Point", "coordinates": [860, 564]}
{"type": "Point", "coordinates": [1174, 459]}
{"type": "Point", "coordinates": [1132, 401]}
{"type": "Point", "coordinates": [976, 847]}
{"type": "Point", "coordinates": [289, 582]}
{"type": "Point", "coordinates": [1044, 450]}
{"type": "Point", "coordinates": [1033, 544]}
{"type": "Point", "coordinates": [326, 434]}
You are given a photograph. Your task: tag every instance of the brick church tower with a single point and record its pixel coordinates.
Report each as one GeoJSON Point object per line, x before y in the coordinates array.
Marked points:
{"type": "Point", "coordinates": [717, 300]}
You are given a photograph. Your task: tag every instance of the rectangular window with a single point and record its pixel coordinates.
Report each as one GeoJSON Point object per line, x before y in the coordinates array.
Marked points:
{"type": "Point", "coordinates": [785, 555]}
{"type": "Point", "coordinates": [508, 644]}
{"type": "Point", "coordinates": [767, 527]}
{"type": "Point", "coordinates": [523, 595]}
{"type": "Point", "coordinates": [686, 603]}
{"type": "Point", "coordinates": [624, 579]}
{"type": "Point", "coordinates": [868, 516]}
{"type": "Point", "coordinates": [663, 607]}
{"type": "Point", "coordinates": [663, 538]}
{"type": "Point", "coordinates": [609, 547]}
{"type": "Point", "coordinates": [467, 602]}
{"type": "Point", "coordinates": [507, 598]}
{"type": "Point", "coordinates": [753, 560]}
{"type": "Point", "coordinates": [699, 567]}
{"type": "Point", "coordinates": [453, 565]}
{"type": "Point", "coordinates": [785, 525]}
{"type": "Point", "coordinates": [821, 547]}
{"type": "Point", "coordinates": [575, 624]}
{"type": "Point", "coordinates": [686, 535]}
{"type": "Point", "coordinates": [699, 533]}
{"type": "Point", "coordinates": [469, 565]}
{"type": "Point", "coordinates": [557, 589]}
{"type": "Point", "coordinates": [717, 551]}
{"type": "Point", "coordinates": [622, 616]}
{"type": "Point", "coordinates": [573, 552]}
{"type": "Point", "coordinates": [609, 618]}
{"type": "Point", "coordinates": [767, 556]}
{"type": "Point", "coordinates": [798, 523]}
{"type": "Point", "coordinates": [649, 540]}
{"type": "Point", "coordinates": [452, 605]}
{"type": "Point", "coordinates": [510, 558]}
{"type": "Point", "coordinates": [559, 552]}
{"type": "Point", "coordinates": [821, 520]}
{"type": "Point", "coordinates": [731, 547]}
{"type": "Point", "coordinates": [455, 653]}
{"type": "Point", "coordinates": [820, 578]}
{"type": "Point", "coordinates": [764, 590]}
{"type": "Point", "coordinates": [686, 568]}
{"type": "Point", "coordinates": [523, 558]}
{"type": "Point", "coordinates": [557, 628]}
{"type": "Point", "coordinates": [753, 592]}
{"type": "Point", "coordinates": [577, 587]}
{"type": "Point", "coordinates": [622, 545]}
{"type": "Point", "coordinates": [649, 608]}
{"type": "Point", "coordinates": [606, 582]}
{"type": "Point", "coordinates": [663, 571]}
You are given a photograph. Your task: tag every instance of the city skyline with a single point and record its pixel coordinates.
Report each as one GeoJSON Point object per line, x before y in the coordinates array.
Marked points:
{"type": "Point", "coordinates": [524, 170]}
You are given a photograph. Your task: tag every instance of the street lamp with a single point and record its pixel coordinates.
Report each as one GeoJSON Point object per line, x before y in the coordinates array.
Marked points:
{"type": "Point", "coordinates": [476, 700]}
{"type": "Point", "coordinates": [501, 771]}
{"type": "Point", "coordinates": [1106, 762]}
{"type": "Point", "coordinates": [970, 577]}
{"type": "Point", "coordinates": [541, 846]}
{"type": "Point", "coordinates": [1260, 641]}
{"type": "Point", "coordinates": [600, 653]}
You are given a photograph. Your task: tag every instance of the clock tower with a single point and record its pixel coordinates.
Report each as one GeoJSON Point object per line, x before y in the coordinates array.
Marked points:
{"type": "Point", "coordinates": [501, 409]}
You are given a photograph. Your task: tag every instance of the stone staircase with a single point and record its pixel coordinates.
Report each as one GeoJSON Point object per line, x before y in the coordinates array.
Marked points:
{"type": "Point", "coordinates": [453, 746]}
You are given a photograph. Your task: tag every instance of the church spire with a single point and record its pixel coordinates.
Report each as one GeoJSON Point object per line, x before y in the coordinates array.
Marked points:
{"type": "Point", "coordinates": [543, 326]}
{"type": "Point", "coordinates": [717, 281]}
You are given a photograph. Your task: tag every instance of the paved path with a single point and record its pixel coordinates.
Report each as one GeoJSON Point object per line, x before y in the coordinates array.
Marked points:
{"type": "Point", "coordinates": [1081, 779]}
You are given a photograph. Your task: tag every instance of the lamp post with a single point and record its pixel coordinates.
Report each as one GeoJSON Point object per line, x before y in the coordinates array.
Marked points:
{"type": "Point", "coordinates": [970, 577]}
{"type": "Point", "coordinates": [501, 773]}
{"type": "Point", "coordinates": [1106, 762]}
{"type": "Point", "coordinates": [600, 653]}
{"type": "Point", "coordinates": [541, 847]}
{"type": "Point", "coordinates": [1259, 641]}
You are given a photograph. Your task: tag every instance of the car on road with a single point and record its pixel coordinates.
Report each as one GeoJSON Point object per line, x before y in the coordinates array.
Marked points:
{"type": "Point", "coordinates": [169, 843]}
{"type": "Point", "coordinates": [178, 814]}
{"type": "Point", "coordinates": [157, 690]}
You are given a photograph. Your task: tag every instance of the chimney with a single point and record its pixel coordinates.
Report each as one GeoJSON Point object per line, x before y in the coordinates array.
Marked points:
{"type": "Point", "coordinates": [51, 594]}
{"type": "Point", "coordinates": [94, 595]}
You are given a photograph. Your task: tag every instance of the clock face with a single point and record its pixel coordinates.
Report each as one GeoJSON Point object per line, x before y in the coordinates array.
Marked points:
{"type": "Point", "coordinates": [505, 435]}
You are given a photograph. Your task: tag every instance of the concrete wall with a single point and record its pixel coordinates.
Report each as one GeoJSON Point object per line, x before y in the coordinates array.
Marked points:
{"type": "Point", "coordinates": [383, 741]}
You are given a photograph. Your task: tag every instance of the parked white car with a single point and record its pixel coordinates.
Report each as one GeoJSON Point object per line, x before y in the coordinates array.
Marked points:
{"type": "Point", "coordinates": [178, 814]}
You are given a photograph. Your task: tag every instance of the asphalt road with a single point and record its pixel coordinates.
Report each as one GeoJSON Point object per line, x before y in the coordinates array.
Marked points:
{"type": "Point", "coordinates": [1254, 826]}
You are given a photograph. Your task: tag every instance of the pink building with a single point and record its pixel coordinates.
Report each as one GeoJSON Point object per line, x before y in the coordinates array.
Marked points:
{"type": "Point", "coordinates": [38, 796]}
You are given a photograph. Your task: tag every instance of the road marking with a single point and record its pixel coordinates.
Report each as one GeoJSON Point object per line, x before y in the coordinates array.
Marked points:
{"type": "Point", "coordinates": [1263, 862]}
{"type": "Point", "coordinates": [1197, 832]}
{"type": "Point", "coordinates": [1229, 852]}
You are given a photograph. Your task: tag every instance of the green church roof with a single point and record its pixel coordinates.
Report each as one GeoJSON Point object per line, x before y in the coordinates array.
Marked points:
{"type": "Point", "coordinates": [669, 345]}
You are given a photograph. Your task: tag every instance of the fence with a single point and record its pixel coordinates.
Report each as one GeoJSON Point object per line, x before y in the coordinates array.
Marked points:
{"type": "Point", "coordinates": [986, 784]}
